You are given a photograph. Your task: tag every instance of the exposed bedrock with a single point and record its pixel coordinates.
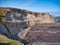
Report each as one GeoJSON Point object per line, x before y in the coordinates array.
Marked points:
{"type": "Point", "coordinates": [31, 18]}
{"type": "Point", "coordinates": [20, 21]}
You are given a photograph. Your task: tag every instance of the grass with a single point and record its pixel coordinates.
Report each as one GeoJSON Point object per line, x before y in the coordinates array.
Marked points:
{"type": "Point", "coordinates": [6, 41]}
{"type": "Point", "coordinates": [2, 11]}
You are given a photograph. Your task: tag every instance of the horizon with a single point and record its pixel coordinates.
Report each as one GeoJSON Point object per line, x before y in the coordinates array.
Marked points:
{"type": "Point", "coordinates": [35, 5]}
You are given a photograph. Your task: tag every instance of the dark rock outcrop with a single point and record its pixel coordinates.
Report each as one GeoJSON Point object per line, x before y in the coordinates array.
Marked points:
{"type": "Point", "coordinates": [21, 24]}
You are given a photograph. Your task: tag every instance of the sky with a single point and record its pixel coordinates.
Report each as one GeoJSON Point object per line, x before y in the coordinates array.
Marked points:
{"type": "Point", "coordinates": [33, 5]}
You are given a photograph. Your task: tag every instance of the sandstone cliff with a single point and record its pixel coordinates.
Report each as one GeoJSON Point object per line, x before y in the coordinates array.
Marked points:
{"type": "Point", "coordinates": [19, 22]}
{"type": "Point", "coordinates": [31, 18]}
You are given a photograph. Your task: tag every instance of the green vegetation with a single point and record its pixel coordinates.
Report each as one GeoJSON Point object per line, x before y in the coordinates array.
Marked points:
{"type": "Point", "coordinates": [6, 41]}
{"type": "Point", "coordinates": [2, 19]}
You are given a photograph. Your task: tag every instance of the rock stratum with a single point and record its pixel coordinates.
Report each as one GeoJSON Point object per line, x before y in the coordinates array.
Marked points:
{"type": "Point", "coordinates": [27, 26]}
{"type": "Point", "coordinates": [32, 18]}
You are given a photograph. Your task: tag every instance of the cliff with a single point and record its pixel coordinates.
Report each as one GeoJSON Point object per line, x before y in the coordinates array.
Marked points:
{"type": "Point", "coordinates": [16, 23]}
{"type": "Point", "coordinates": [31, 18]}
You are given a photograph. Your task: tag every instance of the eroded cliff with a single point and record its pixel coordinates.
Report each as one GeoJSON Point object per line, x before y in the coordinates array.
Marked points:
{"type": "Point", "coordinates": [21, 15]}
{"type": "Point", "coordinates": [19, 22]}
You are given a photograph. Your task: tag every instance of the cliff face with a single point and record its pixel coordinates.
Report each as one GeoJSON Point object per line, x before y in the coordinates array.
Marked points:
{"type": "Point", "coordinates": [31, 18]}
{"type": "Point", "coordinates": [20, 21]}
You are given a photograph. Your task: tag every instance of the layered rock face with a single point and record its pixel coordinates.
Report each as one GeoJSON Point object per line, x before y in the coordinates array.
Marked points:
{"type": "Point", "coordinates": [39, 18]}
{"type": "Point", "coordinates": [20, 21]}
{"type": "Point", "coordinates": [31, 18]}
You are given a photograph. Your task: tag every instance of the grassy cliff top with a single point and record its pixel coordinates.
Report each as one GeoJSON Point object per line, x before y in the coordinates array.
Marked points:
{"type": "Point", "coordinates": [3, 10]}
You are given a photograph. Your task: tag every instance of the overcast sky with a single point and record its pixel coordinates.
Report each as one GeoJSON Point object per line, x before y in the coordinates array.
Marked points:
{"type": "Point", "coordinates": [33, 5]}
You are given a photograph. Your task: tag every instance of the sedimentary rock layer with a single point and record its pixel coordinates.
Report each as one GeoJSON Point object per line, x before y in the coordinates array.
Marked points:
{"type": "Point", "coordinates": [31, 18]}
